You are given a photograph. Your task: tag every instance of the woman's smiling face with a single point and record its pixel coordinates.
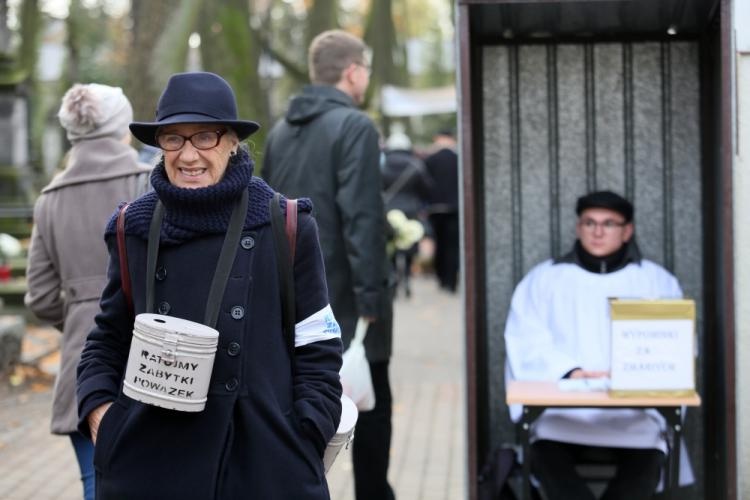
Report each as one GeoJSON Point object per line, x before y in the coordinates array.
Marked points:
{"type": "Point", "coordinates": [190, 167]}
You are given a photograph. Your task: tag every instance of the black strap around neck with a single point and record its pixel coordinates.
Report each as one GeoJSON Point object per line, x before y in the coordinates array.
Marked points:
{"type": "Point", "coordinates": [223, 266]}
{"type": "Point", "coordinates": [154, 233]}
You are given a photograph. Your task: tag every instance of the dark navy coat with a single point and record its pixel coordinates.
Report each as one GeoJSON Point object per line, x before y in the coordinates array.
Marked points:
{"type": "Point", "coordinates": [267, 419]}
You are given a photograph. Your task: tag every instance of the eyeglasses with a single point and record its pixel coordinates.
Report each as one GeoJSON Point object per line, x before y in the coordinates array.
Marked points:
{"type": "Point", "coordinates": [607, 225]}
{"type": "Point", "coordinates": [366, 67]}
{"type": "Point", "coordinates": [199, 140]}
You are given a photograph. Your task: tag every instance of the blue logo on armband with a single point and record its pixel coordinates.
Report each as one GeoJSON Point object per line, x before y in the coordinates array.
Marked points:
{"type": "Point", "coordinates": [331, 325]}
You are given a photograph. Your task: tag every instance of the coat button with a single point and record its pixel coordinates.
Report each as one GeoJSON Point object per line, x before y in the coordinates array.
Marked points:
{"type": "Point", "coordinates": [161, 273]}
{"type": "Point", "coordinates": [164, 308]}
{"type": "Point", "coordinates": [233, 349]}
{"type": "Point", "coordinates": [238, 312]}
{"type": "Point", "coordinates": [247, 242]}
{"type": "Point", "coordinates": [232, 384]}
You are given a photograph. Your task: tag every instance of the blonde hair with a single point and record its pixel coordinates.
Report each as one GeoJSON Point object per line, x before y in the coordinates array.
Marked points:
{"type": "Point", "coordinates": [331, 52]}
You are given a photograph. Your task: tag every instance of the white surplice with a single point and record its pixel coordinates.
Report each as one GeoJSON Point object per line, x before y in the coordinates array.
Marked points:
{"type": "Point", "coordinates": [558, 321]}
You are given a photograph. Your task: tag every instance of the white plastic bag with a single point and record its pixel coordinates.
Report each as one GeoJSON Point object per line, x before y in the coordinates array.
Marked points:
{"type": "Point", "coordinates": [355, 371]}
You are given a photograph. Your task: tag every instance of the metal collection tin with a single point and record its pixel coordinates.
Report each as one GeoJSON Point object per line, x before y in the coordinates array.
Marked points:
{"type": "Point", "coordinates": [170, 362]}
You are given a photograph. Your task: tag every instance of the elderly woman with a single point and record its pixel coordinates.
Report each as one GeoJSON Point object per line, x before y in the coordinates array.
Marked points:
{"type": "Point", "coordinates": [268, 415]}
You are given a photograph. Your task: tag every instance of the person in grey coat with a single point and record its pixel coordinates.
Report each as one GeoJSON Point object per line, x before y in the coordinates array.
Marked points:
{"type": "Point", "coordinates": [328, 150]}
{"type": "Point", "coordinates": [67, 262]}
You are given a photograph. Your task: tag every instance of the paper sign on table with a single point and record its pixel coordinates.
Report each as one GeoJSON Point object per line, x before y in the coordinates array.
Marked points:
{"type": "Point", "coordinates": [652, 347]}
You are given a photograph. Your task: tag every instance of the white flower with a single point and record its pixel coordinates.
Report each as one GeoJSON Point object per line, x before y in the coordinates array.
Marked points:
{"type": "Point", "coordinates": [10, 246]}
{"type": "Point", "coordinates": [407, 231]}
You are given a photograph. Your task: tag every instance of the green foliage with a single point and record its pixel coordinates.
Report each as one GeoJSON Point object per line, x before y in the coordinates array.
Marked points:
{"type": "Point", "coordinates": [147, 21]}
{"type": "Point", "coordinates": [229, 49]}
{"type": "Point", "coordinates": [27, 58]}
{"type": "Point", "coordinates": [322, 16]}
{"type": "Point", "coordinates": [389, 57]}
{"type": "Point", "coordinates": [15, 195]}
{"type": "Point", "coordinates": [30, 29]}
{"type": "Point", "coordinates": [10, 73]}
{"type": "Point", "coordinates": [97, 45]}
{"type": "Point", "coordinates": [280, 31]}
{"type": "Point", "coordinates": [437, 123]}
{"type": "Point", "coordinates": [139, 49]}
{"type": "Point", "coordinates": [435, 74]}
{"type": "Point", "coordinates": [171, 49]}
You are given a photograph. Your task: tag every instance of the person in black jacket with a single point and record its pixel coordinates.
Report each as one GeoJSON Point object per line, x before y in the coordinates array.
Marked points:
{"type": "Point", "coordinates": [328, 149]}
{"type": "Point", "coordinates": [269, 413]}
{"type": "Point", "coordinates": [406, 187]}
{"type": "Point", "coordinates": [442, 165]}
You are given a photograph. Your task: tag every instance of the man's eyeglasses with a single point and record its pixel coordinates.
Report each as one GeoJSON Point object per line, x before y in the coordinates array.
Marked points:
{"type": "Point", "coordinates": [199, 140]}
{"type": "Point", "coordinates": [366, 66]}
{"type": "Point", "coordinates": [607, 225]}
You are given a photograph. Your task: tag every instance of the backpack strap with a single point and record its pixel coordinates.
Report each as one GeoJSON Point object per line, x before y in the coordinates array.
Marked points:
{"type": "Point", "coordinates": [285, 238]}
{"type": "Point", "coordinates": [400, 181]}
{"type": "Point", "coordinates": [122, 251]}
{"type": "Point", "coordinates": [291, 229]}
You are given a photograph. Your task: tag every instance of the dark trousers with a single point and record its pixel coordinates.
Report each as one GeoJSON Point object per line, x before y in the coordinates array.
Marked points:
{"type": "Point", "coordinates": [372, 441]}
{"type": "Point", "coordinates": [402, 261]}
{"type": "Point", "coordinates": [553, 464]}
{"type": "Point", "coordinates": [445, 226]}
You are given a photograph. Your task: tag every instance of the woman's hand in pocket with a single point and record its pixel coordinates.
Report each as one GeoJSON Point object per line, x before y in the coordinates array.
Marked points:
{"type": "Point", "coordinates": [95, 418]}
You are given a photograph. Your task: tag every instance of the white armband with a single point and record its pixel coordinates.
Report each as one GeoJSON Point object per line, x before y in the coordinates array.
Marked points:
{"type": "Point", "coordinates": [320, 326]}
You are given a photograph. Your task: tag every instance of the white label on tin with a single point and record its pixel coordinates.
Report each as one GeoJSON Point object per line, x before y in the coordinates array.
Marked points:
{"type": "Point", "coordinates": [182, 377]}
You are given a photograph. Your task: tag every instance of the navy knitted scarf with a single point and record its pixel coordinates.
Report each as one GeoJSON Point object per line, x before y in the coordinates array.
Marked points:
{"type": "Point", "coordinates": [191, 213]}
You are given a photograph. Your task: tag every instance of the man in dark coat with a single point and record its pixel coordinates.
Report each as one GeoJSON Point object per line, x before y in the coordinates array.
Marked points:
{"type": "Point", "coordinates": [326, 149]}
{"type": "Point", "coordinates": [442, 165]}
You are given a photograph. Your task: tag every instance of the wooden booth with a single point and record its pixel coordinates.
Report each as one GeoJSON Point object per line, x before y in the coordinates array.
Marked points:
{"type": "Point", "coordinates": [558, 98]}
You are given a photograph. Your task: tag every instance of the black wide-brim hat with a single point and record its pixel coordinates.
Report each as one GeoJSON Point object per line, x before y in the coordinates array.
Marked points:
{"type": "Point", "coordinates": [195, 97]}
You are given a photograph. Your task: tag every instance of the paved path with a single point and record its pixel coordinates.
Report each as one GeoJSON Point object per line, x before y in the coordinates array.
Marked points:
{"type": "Point", "coordinates": [428, 449]}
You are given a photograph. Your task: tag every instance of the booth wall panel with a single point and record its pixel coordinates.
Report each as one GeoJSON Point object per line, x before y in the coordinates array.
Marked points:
{"type": "Point", "coordinates": [534, 159]}
{"type": "Point", "coordinates": [608, 120]}
{"type": "Point", "coordinates": [498, 208]}
{"type": "Point", "coordinates": [572, 133]}
{"type": "Point", "coordinates": [647, 144]}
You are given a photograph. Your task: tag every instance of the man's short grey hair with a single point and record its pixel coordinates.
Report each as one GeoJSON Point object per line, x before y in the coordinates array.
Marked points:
{"type": "Point", "coordinates": [331, 52]}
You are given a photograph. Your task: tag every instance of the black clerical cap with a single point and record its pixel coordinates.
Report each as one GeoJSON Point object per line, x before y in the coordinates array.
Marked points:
{"type": "Point", "coordinates": [606, 199]}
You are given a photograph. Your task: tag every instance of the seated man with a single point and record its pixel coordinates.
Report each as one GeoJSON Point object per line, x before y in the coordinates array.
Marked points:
{"type": "Point", "coordinates": [558, 327]}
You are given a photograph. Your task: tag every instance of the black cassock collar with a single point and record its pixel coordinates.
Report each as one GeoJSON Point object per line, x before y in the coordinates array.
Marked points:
{"type": "Point", "coordinates": [627, 253]}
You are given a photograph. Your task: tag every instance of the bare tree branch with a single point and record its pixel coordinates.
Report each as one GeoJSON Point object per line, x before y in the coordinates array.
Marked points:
{"type": "Point", "coordinates": [263, 39]}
